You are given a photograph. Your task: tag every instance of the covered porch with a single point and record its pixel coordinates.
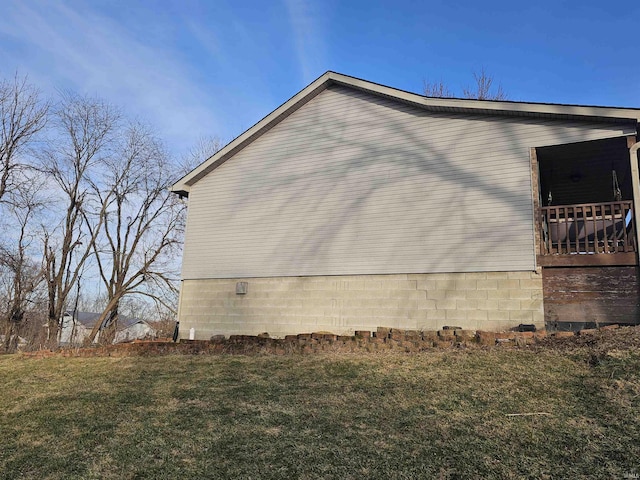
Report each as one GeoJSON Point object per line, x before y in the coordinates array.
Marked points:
{"type": "Point", "coordinates": [584, 213]}
{"type": "Point", "coordinates": [586, 233]}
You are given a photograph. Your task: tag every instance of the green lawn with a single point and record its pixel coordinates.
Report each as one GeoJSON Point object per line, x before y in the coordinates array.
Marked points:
{"type": "Point", "coordinates": [432, 415]}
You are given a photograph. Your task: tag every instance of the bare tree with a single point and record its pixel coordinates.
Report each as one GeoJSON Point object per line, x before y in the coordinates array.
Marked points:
{"type": "Point", "coordinates": [22, 116]}
{"type": "Point", "coordinates": [138, 224]}
{"type": "Point", "coordinates": [84, 131]}
{"type": "Point", "coordinates": [481, 91]}
{"type": "Point", "coordinates": [437, 89]}
{"type": "Point", "coordinates": [109, 217]}
{"type": "Point", "coordinates": [20, 273]}
{"type": "Point", "coordinates": [204, 148]}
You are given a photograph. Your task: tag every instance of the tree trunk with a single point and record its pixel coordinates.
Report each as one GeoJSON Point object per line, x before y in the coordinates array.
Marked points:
{"type": "Point", "coordinates": [108, 333]}
{"type": "Point", "coordinates": [53, 324]}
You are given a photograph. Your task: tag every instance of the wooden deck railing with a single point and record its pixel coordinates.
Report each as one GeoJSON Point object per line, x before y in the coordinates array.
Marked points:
{"type": "Point", "coordinates": [588, 228]}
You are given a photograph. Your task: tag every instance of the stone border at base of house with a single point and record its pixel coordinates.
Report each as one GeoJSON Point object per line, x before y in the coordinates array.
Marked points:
{"type": "Point", "coordinates": [382, 340]}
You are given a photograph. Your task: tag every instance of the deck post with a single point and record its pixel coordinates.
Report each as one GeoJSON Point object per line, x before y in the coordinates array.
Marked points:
{"type": "Point", "coordinates": [635, 182]}
{"type": "Point", "coordinates": [535, 192]}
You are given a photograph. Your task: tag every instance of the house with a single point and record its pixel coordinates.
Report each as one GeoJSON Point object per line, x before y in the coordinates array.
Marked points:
{"type": "Point", "coordinates": [20, 342]}
{"type": "Point", "coordinates": [355, 205]}
{"type": "Point", "coordinates": [130, 329]}
{"type": "Point", "coordinates": [77, 327]}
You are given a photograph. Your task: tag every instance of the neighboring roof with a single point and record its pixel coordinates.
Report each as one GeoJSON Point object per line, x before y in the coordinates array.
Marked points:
{"type": "Point", "coordinates": [89, 319]}
{"type": "Point", "coordinates": [454, 105]}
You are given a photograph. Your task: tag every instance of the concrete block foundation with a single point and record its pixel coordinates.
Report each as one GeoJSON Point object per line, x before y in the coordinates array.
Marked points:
{"type": "Point", "coordinates": [342, 305]}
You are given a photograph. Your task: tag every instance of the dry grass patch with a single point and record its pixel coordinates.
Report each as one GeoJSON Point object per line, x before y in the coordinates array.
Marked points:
{"type": "Point", "coordinates": [435, 415]}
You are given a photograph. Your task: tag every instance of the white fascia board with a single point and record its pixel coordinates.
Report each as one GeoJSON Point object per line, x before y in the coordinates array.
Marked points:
{"type": "Point", "coordinates": [182, 187]}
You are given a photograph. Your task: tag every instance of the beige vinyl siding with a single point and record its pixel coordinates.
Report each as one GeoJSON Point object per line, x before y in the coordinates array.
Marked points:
{"type": "Point", "coordinates": [353, 183]}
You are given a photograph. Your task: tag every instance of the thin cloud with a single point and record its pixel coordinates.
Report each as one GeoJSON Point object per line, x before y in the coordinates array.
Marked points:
{"type": "Point", "coordinates": [305, 19]}
{"type": "Point", "coordinates": [84, 50]}
{"type": "Point", "coordinates": [206, 39]}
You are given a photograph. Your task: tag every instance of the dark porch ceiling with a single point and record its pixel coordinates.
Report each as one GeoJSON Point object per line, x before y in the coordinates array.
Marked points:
{"type": "Point", "coordinates": [582, 172]}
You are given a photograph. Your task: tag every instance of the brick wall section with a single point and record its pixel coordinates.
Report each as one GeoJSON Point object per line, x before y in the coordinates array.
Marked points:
{"type": "Point", "coordinates": [493, 301]}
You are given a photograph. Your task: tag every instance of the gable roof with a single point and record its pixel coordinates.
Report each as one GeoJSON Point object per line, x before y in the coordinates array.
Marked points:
{"type": "Point", "coordinates": [451, 105]}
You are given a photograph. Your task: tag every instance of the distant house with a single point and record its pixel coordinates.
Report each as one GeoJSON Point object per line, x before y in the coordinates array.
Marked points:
{"type": "Point", "coordinates": [21, 342]}
{"type": "Point", "coordinates": [355, 205]}
{"type": "Point", "coordinates": [76, 328]}
{"type": "Point", "coordinates": [133, 329]}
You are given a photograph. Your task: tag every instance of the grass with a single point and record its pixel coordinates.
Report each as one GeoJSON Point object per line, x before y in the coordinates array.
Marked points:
{"type": "Point", "coordinates": [435, 415]}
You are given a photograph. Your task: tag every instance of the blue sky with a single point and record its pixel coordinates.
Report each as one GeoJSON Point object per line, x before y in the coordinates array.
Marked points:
{"type": "Point", "coordinates": [200, 68]}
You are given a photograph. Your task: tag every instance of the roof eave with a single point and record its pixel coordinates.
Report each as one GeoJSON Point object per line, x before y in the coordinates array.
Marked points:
{"type": "Point", "coordinates": [597, 113]}
{"type": "Point", "coordinates": [493, 106]}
